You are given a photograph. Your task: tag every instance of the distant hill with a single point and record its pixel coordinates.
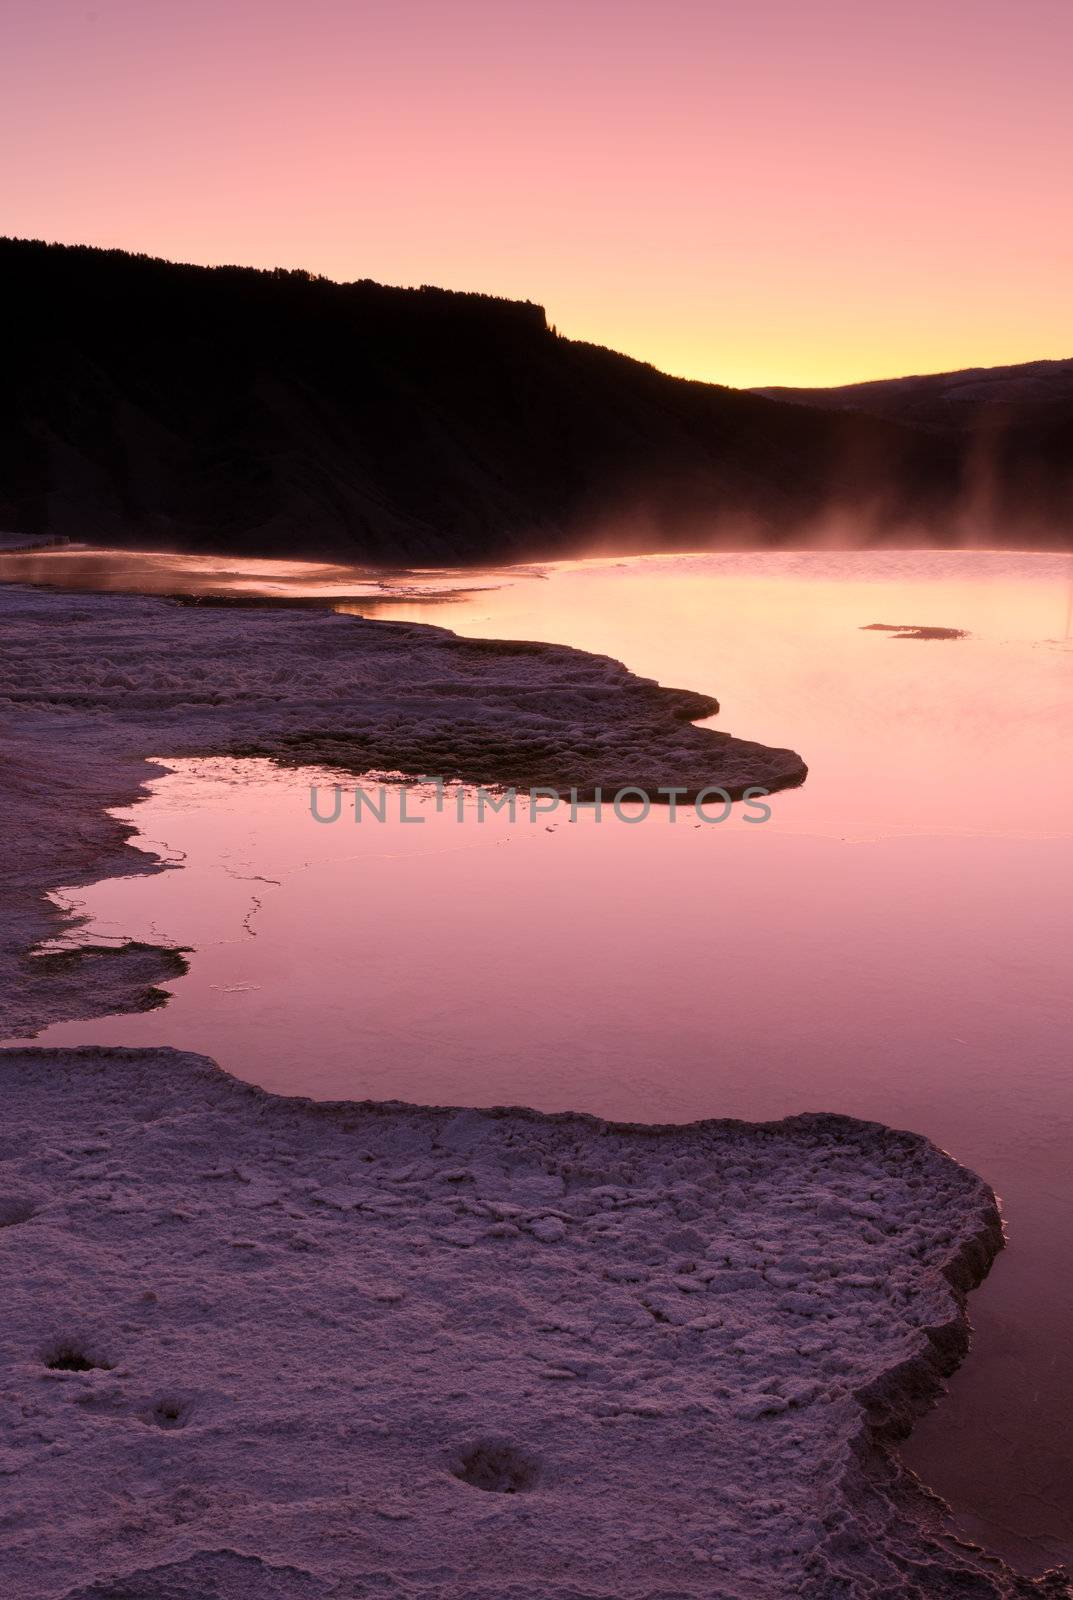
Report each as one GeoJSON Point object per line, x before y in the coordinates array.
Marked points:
{"type": "Point", "coordinates": [947, 399]}
{"type": "Point", "coordinates": [1014, 427]}
{"type": "Point", "coordinates": [276, 413]}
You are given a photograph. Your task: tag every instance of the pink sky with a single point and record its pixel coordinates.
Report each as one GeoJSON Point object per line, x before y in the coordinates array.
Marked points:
{"type": "Point", "coordinates": [789, 191]}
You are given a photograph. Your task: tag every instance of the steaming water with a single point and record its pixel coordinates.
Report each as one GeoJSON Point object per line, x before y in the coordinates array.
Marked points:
{"type": "Point", "coordinates": [894, 943]}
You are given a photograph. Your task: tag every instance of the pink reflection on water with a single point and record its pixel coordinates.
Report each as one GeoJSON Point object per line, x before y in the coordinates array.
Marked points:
{"type": "Point", "coordinates": [895, 943]}
{"type": "Point", "coordinates": [206, 577]}
{"type": "Point", "coordinates": [899, 735]}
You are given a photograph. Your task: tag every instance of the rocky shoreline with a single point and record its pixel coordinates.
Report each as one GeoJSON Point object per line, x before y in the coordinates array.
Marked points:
{"type": "Point", "coordinates": [266, 1346]}
{"type": "Point", "coordinates": [92, 686]}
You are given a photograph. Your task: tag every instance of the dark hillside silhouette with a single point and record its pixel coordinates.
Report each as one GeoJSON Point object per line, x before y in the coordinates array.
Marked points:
{"type": "Point", "coordinates": [1013, 428]}
{"type": "Point", "coordinates": [276, 413]}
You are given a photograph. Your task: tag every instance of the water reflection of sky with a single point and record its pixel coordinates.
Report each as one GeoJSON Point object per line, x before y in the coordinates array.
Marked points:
{"type": "Point", "coordinates": [895, 943]}
{"type": "Point", "coordinates": [221, 577]}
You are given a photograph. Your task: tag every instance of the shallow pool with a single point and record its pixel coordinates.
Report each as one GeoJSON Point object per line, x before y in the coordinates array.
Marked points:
{"type": "Point", "coordinates": [894, 942]}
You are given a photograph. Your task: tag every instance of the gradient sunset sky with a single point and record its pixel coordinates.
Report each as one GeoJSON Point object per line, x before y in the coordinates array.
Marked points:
{"type": "Point", "coordinates": [794, 191]}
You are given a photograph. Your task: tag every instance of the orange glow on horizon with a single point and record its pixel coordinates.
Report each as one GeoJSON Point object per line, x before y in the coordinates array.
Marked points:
{"type": "Point", "coordinates": [784, 194]}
